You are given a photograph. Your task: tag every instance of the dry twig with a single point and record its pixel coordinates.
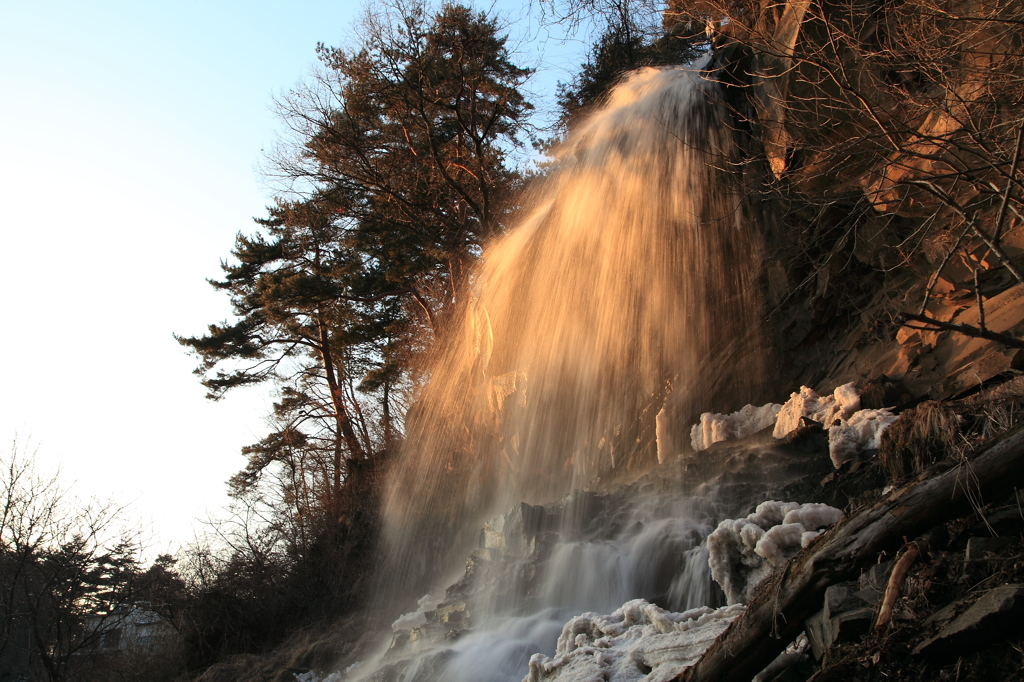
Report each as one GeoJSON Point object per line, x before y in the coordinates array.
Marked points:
{"type": "Point", "coordinates": [965, 329]}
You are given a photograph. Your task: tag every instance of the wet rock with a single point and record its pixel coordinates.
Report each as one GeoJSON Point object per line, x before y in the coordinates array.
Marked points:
{"type": "Point", "coordinates": [456, 615]}
{"type": "Point", "coordinates": [871, 584]}
{"type": "Point", "coordinates": [986, 620]}
{"type": "Point", "coordinates": [815, 629]}
{"type": "Point", "coordinates": [876, 577]}
{"type": "Point", "coordinates": [849, 626]}
{"type": "Point", "coordinates": [541, 546]}
{"type": "Point", "coordinates": [845, 617]}
{"type": "Point", "coordinates": [582, 509]}
{"type": "Point", "coordinates": [840, 599]}
{"type": "Point", "coordinates": [511, 532]}
{"type": "Point", "coordinates": [400, 640]}
{"type": "Point", "coordinates": [809, 436]}
{"type": "Point", "coordinates": [980, 549]}
{"type": "Point", "coordinates": [484, 555]}
{"type": "Point", "coordinates": [966, 361]}
{"type": "Point", "coordinates": [1004, 522]}
{"type": "Point", "coordinates": [869, 595]}
{"type": "Point", "coordinates": [943, 616]}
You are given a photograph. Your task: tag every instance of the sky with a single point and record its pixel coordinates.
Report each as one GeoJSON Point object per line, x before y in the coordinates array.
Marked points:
{"type": "Point", "coordinates": [130, 135]}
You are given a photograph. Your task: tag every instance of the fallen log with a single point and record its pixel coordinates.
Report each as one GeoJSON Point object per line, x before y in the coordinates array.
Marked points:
{"type": "Point", "coordinates": [776, 614]}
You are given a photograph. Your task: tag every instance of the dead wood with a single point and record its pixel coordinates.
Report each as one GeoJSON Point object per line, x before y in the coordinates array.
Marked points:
{"type": "Point", "coordinates": [776, 615]}
{"type": "Point", "coordinates": [894, 588]}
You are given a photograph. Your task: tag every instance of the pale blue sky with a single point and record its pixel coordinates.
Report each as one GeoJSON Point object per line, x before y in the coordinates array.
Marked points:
{"type": "Point", "coordinates": [129, 135]}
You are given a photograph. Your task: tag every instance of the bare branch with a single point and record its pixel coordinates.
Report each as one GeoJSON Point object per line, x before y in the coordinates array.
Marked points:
{"type": "Point", "coordinates": [965, 329]}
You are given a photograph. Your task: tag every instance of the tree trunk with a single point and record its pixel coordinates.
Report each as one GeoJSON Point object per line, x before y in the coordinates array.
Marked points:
{"type": "Point", "coordinates": [341, 417]}
{"type": "Point", "coordinates": [776, 615]}
{"type": "Point", "coordinates": [386, 418]}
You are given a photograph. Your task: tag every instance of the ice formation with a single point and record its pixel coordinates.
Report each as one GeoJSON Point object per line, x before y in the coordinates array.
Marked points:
{"type": "Point", "coordinates": [639, 641]}
{"type": "Point", "coordinates": [742, 552]}
{"type": "Point", "coordinates": [714, 428]}
{"type": "Point", "coordinates": [862, 431]}
{"type": "Point", "coordinates": [663, 436]}
{"type": "Point", "coordinates": [825, 410]}
{"type": "Point", "coordinates": [850, 429]}
{"type": "Point", "coordinates": [418, 617]}
{"type": "Point", "coordinates": [312, 676]}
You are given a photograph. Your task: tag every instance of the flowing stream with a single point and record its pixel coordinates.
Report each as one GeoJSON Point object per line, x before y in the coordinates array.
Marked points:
{"type": "Point", "coordinates": [628, 291]}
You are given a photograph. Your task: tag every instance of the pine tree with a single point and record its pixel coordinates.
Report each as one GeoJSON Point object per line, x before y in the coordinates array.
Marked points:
{"type": "Point", "coordinates": [402, 149]}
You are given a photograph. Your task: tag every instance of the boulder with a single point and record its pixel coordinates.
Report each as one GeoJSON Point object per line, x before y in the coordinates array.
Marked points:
{"type": "Point", "coordinates": [815, 630]}
{"type": "Point", "coordinates": [851, 625]}
{"type": "Point", "coordinates": [845, 617]}
{"type": "Point", "coordinates": [840, 599]}
{"type": "Point", "coordinates": [512, 532]}
{"type": "Point", "coordinates": [876, 577]}
{"type": "Point", "coordinates": [987, 619]}
{"type": "Point", "coordinates": [1003, 522]}
{"type": "Point", "coordinates": [980, 549]}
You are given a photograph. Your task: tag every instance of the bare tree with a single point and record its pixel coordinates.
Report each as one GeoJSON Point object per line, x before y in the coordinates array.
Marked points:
{"type": "Point", "coordinates": [61, 561]}
{"type": "Point", "coordinates": [895, 128]}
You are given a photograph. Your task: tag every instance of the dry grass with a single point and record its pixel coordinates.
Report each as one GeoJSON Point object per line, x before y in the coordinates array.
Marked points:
{"type": "Point", "coordinates": [932, 431]}
{"type": "Point", "coordinates": [922, 436]}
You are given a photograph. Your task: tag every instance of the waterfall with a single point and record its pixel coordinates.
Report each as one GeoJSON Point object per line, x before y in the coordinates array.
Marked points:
{"type": "Point", "coordinates": [628, 290]}
{"type": "Point", "coordinates": [629, 550]}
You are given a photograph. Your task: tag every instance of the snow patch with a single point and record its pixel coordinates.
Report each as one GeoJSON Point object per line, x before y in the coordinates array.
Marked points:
{"type": "Point", "coordinates": [813, 516]}
{"type": "Point", "coordinates": [639, 641]}
{"type": "Point", "coordinates": [715, 428]}
{"type": "Point", "coordinates": [779, 543]}
{"type": "Point", "coordinates": [743, 552]}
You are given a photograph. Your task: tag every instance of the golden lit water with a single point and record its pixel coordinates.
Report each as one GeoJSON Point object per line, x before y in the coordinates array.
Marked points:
{"type": "Point", "coordinates": [630, 286]}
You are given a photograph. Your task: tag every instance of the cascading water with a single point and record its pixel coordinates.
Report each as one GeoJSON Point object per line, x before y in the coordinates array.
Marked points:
{"type": "Point", "coordinates": [522, 597]}
{"type": "Point", "coordinates": [628, 290]}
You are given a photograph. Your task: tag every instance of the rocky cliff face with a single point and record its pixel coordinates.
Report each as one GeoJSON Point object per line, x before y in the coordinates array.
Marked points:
{"type": "Point", "coordinates": [885, 139]}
